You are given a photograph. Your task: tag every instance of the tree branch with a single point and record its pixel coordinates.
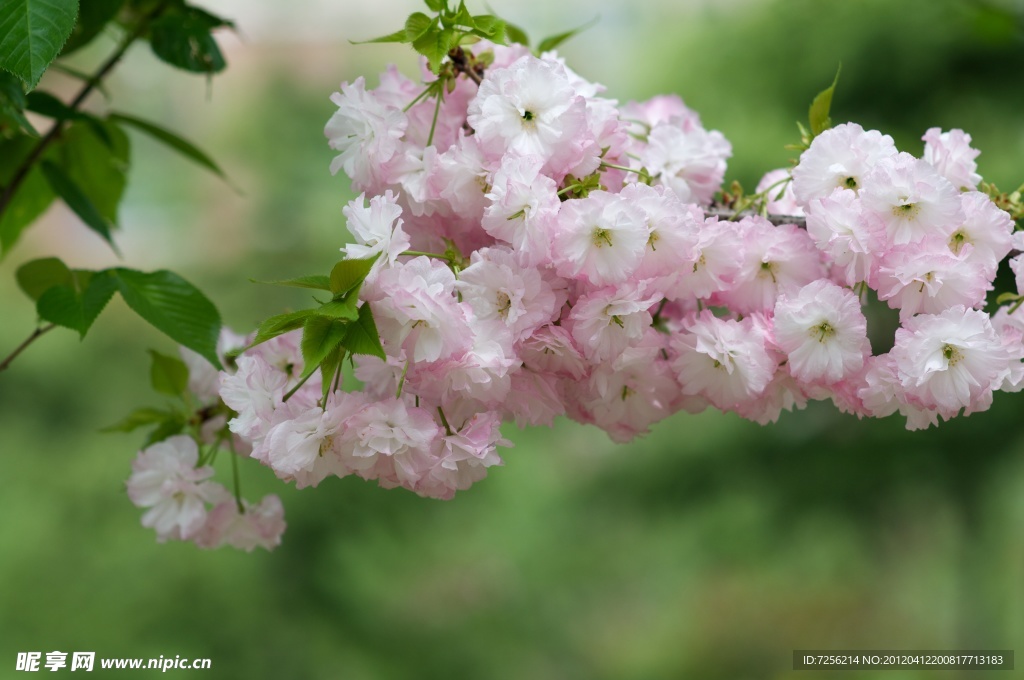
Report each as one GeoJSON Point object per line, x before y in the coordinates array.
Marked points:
{"type": "Point", "coordinates": [732, 216]}
{"type": "Point", "coordinates": [36, 334]}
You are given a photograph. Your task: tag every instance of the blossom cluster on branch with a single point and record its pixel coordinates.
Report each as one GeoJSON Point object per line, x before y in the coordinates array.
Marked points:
{"type": "Point", "coordinates": [525, 248]}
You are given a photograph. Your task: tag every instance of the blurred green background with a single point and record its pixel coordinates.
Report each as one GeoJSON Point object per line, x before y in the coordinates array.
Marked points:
{"type": "Point", "coordinates": [709, 550]}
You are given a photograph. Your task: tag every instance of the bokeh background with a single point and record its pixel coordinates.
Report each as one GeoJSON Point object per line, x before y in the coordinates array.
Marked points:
{"type": "Point", "coordinates": [710, 549]}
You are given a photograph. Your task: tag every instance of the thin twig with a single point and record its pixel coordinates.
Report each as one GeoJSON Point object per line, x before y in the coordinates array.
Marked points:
{"type": "Point", "coordinates": [36, 334]}
{"type": "Point", "coordinates": [732, 216]}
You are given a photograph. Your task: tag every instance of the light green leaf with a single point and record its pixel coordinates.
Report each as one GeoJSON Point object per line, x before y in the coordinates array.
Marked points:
{"type": "Point", "coordinates": [329, 366]}
{"type": "Point", "coordinates": [168, 375]}
{"type": "Point", "coordinates": [1007, 297]}
{"type": "Point", "coordinates": [396, 37]}
{"type": "Point", "coordinates": [173, 306]}
{"type": "Point", "coordinates": [281, 324]}
{"type": "Point", "coordinates": [316, 282]}
{"type": "Point", "coordinates": [347, 274]}
{"type": "Point", "coordinates": [38, 276]}
{"type": "Point", "coordinates": [76, 305]}
{"type": "Point", "coordinates": [516, 34]}
{"type": "Point", "coordinates": [82, 206]}
{"type": "Point", "coordinates": [818, 115]}
{"type": "Point", "coordinates": [139, 418]}
{"type": "Point", "coordinates": [434, 45]}
{"type": "Point", "coordinates": [320, 336]}
{"type": "Point", "coordinates": [490, 27]}
{"type": "Point", "coordinates": [33, 31]}
{"type": "Point", "coordinates": [554, 41]}
{"type": "Point", "coordinates": [437, 5]}
{"type": "Point", "coordinates": [340, 309]}
{"type": "Point", "coordinates": [172, 140]}
{"type": "Point", "coordinates": [416, 25]}
{"type": "Point", "coordinates": [362, 336]}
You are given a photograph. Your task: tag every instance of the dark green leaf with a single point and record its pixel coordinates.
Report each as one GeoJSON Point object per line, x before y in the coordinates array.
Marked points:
{"type": "Point", "coordinates": [173, 425]}
{"type": "Point", "coordinates": [320, 336]}
{"type": "Point", "coordinates": [45, 104]}
{"type": "Point", "coordinates": [173, 306]}
{"type": "Point", "coordinates": [554, 41]}
{"type": "Point", "coordinates": [281, 324]}
{"type": "Point", "coordinates": [184, 39]}
{"type": "Point", "coordinates": [347, 274]}
{"type": "Point", "coordinates": [516, 34]}
{"type": "Point", "coordinates": [32, 33]}
{"type": "Point", "coordinates": [167, 374]}
{"type": "Point", "coordinates": [139, 418]}
{"type": "Point", "coordinates": [340, 309]}
{"type": "Point", "coordinates": [416, 25]}
{"type": "Point", "coordinates": [82, 206]}
{"type": "Point", "coordinates": [362, 336]}
{"type": "Point", "coordinates": [821, 106]}
{"type": "Point", "coordinates": [93, 15]}
{"type": "Point", "coordinates": [38, 276]}
{"type": "Point", "coordinates": [316, 282]}
{"type": "Point", "coordinates": [77, 305]}
{"type": "Point", "coordinates": [180, 145]}
{"type": "Point", "coordinates": [12, 105]}
{"type": "Point", "coordinates": [329, 366]}
{"type": "Point", "coordinates": [32, 197]}
{"type": "Point", "coordinates": [97, 162]}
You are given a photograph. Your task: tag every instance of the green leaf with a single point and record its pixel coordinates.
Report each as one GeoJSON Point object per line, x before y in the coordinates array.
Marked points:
{"type": "Point", "coordinates": [33, 32]}
{"type": "Point", "coordinates": [281, 324]}
{"type": "Point", "coordinates": [184, 39]}
{"type": "Point", "coordinates": [95, 154]}
{"type": "Point", "coordinates": [72, 195]}
{"type": "Point", "coordinates": [139, 418]}
{"type": "Point", "coordinates": [317, 282]}
{"type": "Point", "coordinates": [490, 27]}
{"type": "Point", "coordinates": [1007, 297]}
{"type": "Point", "coordinates": [818, 115]}
{"type": "Point", "coordinates": [320, 336]}
{"type": "Point", "coordinates": [362, 336]}
{"type": "Point", "coordinates": [348, 274]}
{"type": "Point", "coordinates": [168, 375]}
{"type": "Point", "coordinates": [434, 45]}
{"type": "Point", "coordinates": [31, 199]}
{"type": "Point", "coordinates": [329, 366]}
{"type": "Point", "coordinates": [462, 17]}
{"type": "Point", "coordinates": [173, 306]}
{"type": "Point", "coordinates": [340, 309]}
{"type": "Point", "coordinates": [416, 25]}
{"type": "Point", "coordinates": [396, 37]}
{"type": "Point", "coordinates": [437, 5]}
{"type": "Point", "coordinates": [184, 147]}
{"type": "Point", "coordinates": [174, 424]}
{"type": "Point", "coordinates": [38, 276]}
{"type": "Point", "coordinates": [76, 305]}
{"type": "Point", "coordinates": [12, 105]}
{"type": "Point", "coordinates": [45, 104]}
{"type": "Point", "coordinates": [554, 41]}
{"type": "Point", "coordinates": [516, 34]}
{"type": "Point", "coordinates": [93, 15]}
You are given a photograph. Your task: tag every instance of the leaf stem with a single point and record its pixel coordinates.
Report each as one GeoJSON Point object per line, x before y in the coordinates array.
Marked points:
{"type": "Point", "coordinates": [437, 110]}
{"type": "Point", "coordinates": [36, 334]}
{"type": "Point", "coordinates": [447, 427]}
{"type": "Point", "coordinates": [234, 474]}
{"type": "Point", "coordinates": [296, 388]}
{"type": "Point", "coordinates": [92, 83]}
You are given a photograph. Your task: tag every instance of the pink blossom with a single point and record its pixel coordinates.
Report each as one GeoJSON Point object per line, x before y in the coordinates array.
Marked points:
{"type": "Point", "coordinates": [927, 277]}
{"type": "Point", "coordinates": [259, 526]}
{"type": "Point", "coordinates": [524, 208]}
{"type": "Point", "coordinates": [365, 131]}
{"type": "Point", "coordinates": [377, 229]}
{"type": "Point", "coordinates": [604, 322]}
{"type": "Point", "coordinates": [852, 239]}
{"type": "Point", "coordinates": [690, 162]}
{"type": "Point", "coordinates": [601, 238]}
{"type": "Point", "coordinates": [951, 154]}
{"type": "Point", "coordinates": [839, 157]}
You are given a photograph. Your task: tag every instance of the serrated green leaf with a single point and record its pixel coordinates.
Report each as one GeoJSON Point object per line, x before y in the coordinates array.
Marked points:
{"type": "Point", "coordinates": [167, 374]}
{"type": "Point", "coordinates": [818, 115]}
{"type": "Point", "coordinates": [93, 15]}
{"type": "Point", "coordinates": [76, 305]}
{"type": "Point", "coordinates": [95, 161]}
{"type": "Point", "coordinates": [320, 336]}
{"type": "Point", "coordinates": [490, 27]}
{"type": "Point", "coordinates": [434, 45]}
{"type": "Point", "coordinates": [32, 33]}
{"type": "Point", "coordinates": [316, 282]}
{"type": "Point", "coordinates": [416, 25]}
{"type": "Point", "coordinates": [31, 199]}
{"type": "Point", "coordinates": [12, 105]}
{"type": "Point", "coordinates": [396, 37]}
{"type": "Point", "coordinates": [75, 199]}
{"type": "Point", "coordinates": [516, 34]}
{"type": "Point", "coordinates": [140, 417]}
{"type": "Point", "coordinates": [347, 274]}
{"type": "Point", "coordinates": [362, 336]}
{"type": "Point", "coordinates": [174, 307]}
{"type": "Point", "coordinates": [38, 276]}
{"type": "Point", "coordinates": [554, 41]}
{"type": "Point", "coordinates": [340, 309]}
{"type": "Point", "coordinates": [182, 146]}
{"type": "Point", "coordinates": [184, 39]}
{"type": "Point", "coordinates": [281, 324]}
{"type": "Point", "coordinates": [329, 367]}
{"type": "Point", "coordinates": [437, 5]}
{"type": "Point", "coordinates": [462, 17]}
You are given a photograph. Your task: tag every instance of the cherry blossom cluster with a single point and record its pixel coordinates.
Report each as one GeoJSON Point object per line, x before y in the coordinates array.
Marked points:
{"type": "Point", "coordinates": [543, 251]}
